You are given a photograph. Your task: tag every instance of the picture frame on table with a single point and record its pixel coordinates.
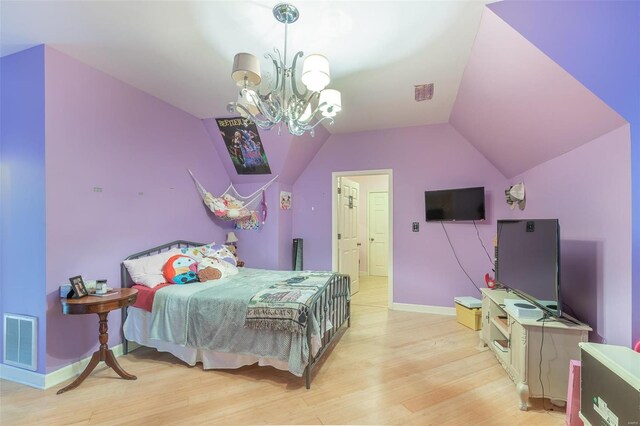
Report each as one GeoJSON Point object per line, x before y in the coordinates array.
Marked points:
{"type": "Point", "coordinates": [78, 289]}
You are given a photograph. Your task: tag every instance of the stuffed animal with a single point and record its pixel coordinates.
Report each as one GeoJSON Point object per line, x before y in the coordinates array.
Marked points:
{"type": "Point", "coordinates": [234, 250]}
{"type": "Point", "coordinates": [216, 205]}
{"type": "Point", "coordinates": [180, 269]}
{"type": "Point", "coordinates": [208, 270]}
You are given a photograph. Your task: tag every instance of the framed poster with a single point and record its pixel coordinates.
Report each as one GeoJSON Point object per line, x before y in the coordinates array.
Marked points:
{"type": "Point", "coordinates": [245, 148]}
{"type": "Point", "coordinates": [285, 200]}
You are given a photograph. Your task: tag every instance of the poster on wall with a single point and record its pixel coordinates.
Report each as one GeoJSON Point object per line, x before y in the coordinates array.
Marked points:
{"type": "Point", "coordinates": [245, 148]}
{"type": "Point", "coordinates": [285, 200]}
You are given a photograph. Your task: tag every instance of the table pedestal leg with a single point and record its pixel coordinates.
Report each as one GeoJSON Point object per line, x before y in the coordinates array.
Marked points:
{"type": "Point", "coordinates": [103, 354]}
{"type": "Point", "coordinates": [95, 359]}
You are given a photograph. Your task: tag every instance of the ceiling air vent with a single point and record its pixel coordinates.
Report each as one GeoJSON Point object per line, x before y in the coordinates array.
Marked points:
{"type": "Point", "coordinates": [424, 92]}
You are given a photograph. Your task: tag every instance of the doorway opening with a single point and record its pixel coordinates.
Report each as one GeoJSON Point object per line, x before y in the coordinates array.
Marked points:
{"type": "Point", "coordinates": [362, 240]}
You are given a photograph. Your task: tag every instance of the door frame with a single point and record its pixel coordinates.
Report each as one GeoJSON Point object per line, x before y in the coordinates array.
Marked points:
{"type": "Point", "coordinates": [334, 220]}
{"type": "Point", "coordinates": [369, 227]}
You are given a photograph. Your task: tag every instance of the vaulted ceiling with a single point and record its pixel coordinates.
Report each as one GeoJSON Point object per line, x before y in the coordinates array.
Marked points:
{"type": "Point", "coordinates": [509, 100]}
{"type": "Point", "coordinates": [182, 51]}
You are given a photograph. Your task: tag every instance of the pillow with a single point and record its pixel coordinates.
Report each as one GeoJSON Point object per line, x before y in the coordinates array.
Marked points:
{"type": "Point", "coordinates": [147, 270]}
{"type": "Point", "coordinates": [222, 252]}
{"type": "Point", "coordinates": [180, 269]}
{"type": "Point", "coordinates": [213, 250]}
{"type": "Point", "coordinates": [196, 253]}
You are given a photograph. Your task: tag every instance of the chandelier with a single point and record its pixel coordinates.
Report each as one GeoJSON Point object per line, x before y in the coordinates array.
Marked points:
{"type": "Point", "coordinates": [284, 102]}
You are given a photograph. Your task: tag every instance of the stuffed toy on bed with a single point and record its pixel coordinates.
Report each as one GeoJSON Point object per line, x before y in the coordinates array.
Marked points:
{"type": "Point", "coordinates": [180, 269]}
{"type": "Point", "coordinates": [209, 269]}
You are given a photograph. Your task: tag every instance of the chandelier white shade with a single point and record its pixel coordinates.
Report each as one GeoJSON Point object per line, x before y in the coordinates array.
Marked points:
{"type": "Point", "coordinates": [246, 70]}
{"type": "Point", "coordinates": [315, 72]}
{"type": "Point", "coordinates": [283, 101]}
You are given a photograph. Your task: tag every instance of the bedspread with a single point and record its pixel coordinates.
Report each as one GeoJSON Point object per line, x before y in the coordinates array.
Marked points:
{"type": "Point", "coordinates": [211, 315]}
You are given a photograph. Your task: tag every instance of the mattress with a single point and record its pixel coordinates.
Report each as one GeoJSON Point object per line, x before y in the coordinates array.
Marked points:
{"type": "Point", "coordinates": [204, 322]}
{"type": "Point", "coordinates": [137, 327]}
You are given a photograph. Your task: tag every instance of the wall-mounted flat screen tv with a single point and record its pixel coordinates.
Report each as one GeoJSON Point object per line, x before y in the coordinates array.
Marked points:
{"type": "Point", "coordinates": [455, 204]}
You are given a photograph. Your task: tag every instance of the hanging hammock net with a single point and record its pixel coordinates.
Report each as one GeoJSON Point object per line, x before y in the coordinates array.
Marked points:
{"type": "Point", "coordinates": [249, 212]}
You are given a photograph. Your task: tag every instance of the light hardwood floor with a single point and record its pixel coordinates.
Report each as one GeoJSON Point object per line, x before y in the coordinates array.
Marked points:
{"type": "Point", "coordinates": [390, 367]}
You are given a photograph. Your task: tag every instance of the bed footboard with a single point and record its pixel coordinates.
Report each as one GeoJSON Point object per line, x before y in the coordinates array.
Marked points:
{"type": "Point", "coordinates": [332, 305]}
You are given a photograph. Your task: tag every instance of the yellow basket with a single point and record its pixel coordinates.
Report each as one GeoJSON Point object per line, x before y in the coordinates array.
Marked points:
{"type": "Point", "coordinates": [469, 317]}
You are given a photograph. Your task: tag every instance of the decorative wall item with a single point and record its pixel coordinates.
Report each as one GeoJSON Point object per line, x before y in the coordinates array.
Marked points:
{"type": "Point", "coordinates": [245, 148]}
{"type": "Point", "coordinates": [285, 200]}
{"type": "Point", "coordinates": [515, 196]}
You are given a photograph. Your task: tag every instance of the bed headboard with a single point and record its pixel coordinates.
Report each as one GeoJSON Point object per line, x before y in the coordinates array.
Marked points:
{"type": "Point", "coordinates": [125, 278]}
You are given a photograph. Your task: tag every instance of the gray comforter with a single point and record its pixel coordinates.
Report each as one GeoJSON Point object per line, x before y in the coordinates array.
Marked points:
{"type": "Point", "coordinates": [211, 315]}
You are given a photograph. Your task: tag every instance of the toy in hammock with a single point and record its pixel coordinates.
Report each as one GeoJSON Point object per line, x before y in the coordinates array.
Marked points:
{"type": "Point", "coordinates": [249, 212]}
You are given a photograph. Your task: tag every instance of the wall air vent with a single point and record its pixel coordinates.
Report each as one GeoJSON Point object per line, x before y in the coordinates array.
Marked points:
{"type": "Point", "coordinates": [424, 92]}
{"type": "Point", "coordinates": [20, 341]}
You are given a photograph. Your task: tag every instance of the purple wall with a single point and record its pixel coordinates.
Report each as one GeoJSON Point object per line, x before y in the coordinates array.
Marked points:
{"type": "Point", "coordinates": [103, 133]}
{"type": "Point", "coordinates": [270, 246]}
{"type": "Point", "coordinates": [288, 155]}
{"type": "Point", "coordinates": [570, 33]}
{"type": "Point", "coordinates": [422, 158]}
{"type": "Point", "coordinates": [589, 191]}
{"type": "Point", "coordinates": [22, 195]}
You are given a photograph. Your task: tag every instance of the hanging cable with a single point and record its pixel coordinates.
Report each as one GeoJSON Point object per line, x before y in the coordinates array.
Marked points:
{"type": "Point", "coordinates": [483, 246]}
{"type": "Point", "coordinates": [456, 256]}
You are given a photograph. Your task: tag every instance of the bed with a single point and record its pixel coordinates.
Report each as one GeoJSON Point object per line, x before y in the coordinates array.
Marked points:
{"type": "Point", "coordinates": [204, 322]}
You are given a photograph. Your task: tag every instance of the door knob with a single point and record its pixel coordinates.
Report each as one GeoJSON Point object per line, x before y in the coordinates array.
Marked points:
{"type": "Point", "coordinates": [371, 239]}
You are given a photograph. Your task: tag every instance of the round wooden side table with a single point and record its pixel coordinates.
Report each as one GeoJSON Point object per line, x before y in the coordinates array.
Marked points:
{"type": "Point", "coordinates": [100, 305]}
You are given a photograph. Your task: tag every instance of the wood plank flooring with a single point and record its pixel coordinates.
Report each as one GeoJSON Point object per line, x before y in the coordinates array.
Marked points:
{"type": "Point", "coordinates": [390, 367]}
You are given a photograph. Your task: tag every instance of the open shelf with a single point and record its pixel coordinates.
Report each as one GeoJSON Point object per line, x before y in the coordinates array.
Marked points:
{"type": "Point", "coordinates": [502, 324]}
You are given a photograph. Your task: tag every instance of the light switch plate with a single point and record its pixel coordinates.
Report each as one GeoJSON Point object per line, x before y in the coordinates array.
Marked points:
{"type": "Point", "coordinates": [415, 227]}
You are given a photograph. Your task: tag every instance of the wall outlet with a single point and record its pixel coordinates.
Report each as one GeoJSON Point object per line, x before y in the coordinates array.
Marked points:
{"type": "Point", "coordinates": [415, 227]}
{"type": "Point", "coordinates": [531, 226]}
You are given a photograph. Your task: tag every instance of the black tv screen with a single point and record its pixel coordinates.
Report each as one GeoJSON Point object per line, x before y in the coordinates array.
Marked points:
{"type": "Point", "coordinates": [528, 261]}
{"type": "Point", "coordinates": [455, 204]}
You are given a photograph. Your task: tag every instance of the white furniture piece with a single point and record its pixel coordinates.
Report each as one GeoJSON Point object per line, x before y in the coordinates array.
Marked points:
{"type": "Point", "coordinates": [534, 353]}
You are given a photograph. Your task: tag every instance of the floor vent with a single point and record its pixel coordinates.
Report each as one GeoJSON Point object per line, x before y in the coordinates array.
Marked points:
{"type": "Point", "coordinates": [20, 341]}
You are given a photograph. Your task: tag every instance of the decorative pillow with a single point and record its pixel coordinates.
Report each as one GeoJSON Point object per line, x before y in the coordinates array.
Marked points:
{"type": "Point", "coordinates": [147, 270]}
{"type": "Point", "coordinates": [197, 253]}
{"type": "Point", "coordinates": [180, 269]}
{"type": "Point", "coordinates": [213, 250]}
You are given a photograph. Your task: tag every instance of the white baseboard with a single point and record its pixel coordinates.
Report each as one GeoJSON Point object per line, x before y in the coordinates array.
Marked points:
{"type": "Point", "coordinates": [424, 309]}
{"type": "Point", "coordinates": [45, 381]}
{"type": "Point", "coordinates": [22, 376]}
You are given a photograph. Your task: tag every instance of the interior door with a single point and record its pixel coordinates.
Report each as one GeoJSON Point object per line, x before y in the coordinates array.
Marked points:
{"type": "Point", "coordinates": [378, 233]}
{"type": "Point", "coordinates": [348, 253]}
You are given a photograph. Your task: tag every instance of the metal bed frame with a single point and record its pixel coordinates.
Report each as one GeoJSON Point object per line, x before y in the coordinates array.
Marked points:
{"type": "Point", "coordinates": [331, 304]}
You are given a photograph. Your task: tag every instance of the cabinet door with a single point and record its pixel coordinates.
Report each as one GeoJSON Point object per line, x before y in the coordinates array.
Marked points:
{"type": "Point", "coordinates": [485, 333]}
{"type": "Point", "coordinates": [518, 341]}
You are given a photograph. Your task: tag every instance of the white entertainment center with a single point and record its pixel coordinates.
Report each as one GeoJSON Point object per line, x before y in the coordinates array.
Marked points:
{"type": "Point", "coordinates": [534, 353]}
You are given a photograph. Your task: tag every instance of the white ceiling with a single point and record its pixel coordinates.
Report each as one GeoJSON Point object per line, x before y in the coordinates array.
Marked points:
{"type": "Point", "coordinates": [182, 51]}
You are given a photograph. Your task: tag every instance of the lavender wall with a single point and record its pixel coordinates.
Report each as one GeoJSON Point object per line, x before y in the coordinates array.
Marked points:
{"type": "Point", "coordinates": [422, 158]}
{"type": "Point", "coordinates": [22, 193]}
{"type": "Point", "coordinates": [375, 183]}
{"type": "Point", "coordinates": [288, 155]}
{"type": "Point", "coordinates": [270, 246]}
{"type": "Point", "coordinates": [103, 133]}
{"type": "Point", "coordinates": [569, 32]}
{"type": "Point", "coordinates": [589, 191]}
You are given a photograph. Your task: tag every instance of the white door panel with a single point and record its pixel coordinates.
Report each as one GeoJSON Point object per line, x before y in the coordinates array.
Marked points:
{"type": "Point", "coordinates": [378, 233]}
{"type": "Point", "coordinates": [348, 253]}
